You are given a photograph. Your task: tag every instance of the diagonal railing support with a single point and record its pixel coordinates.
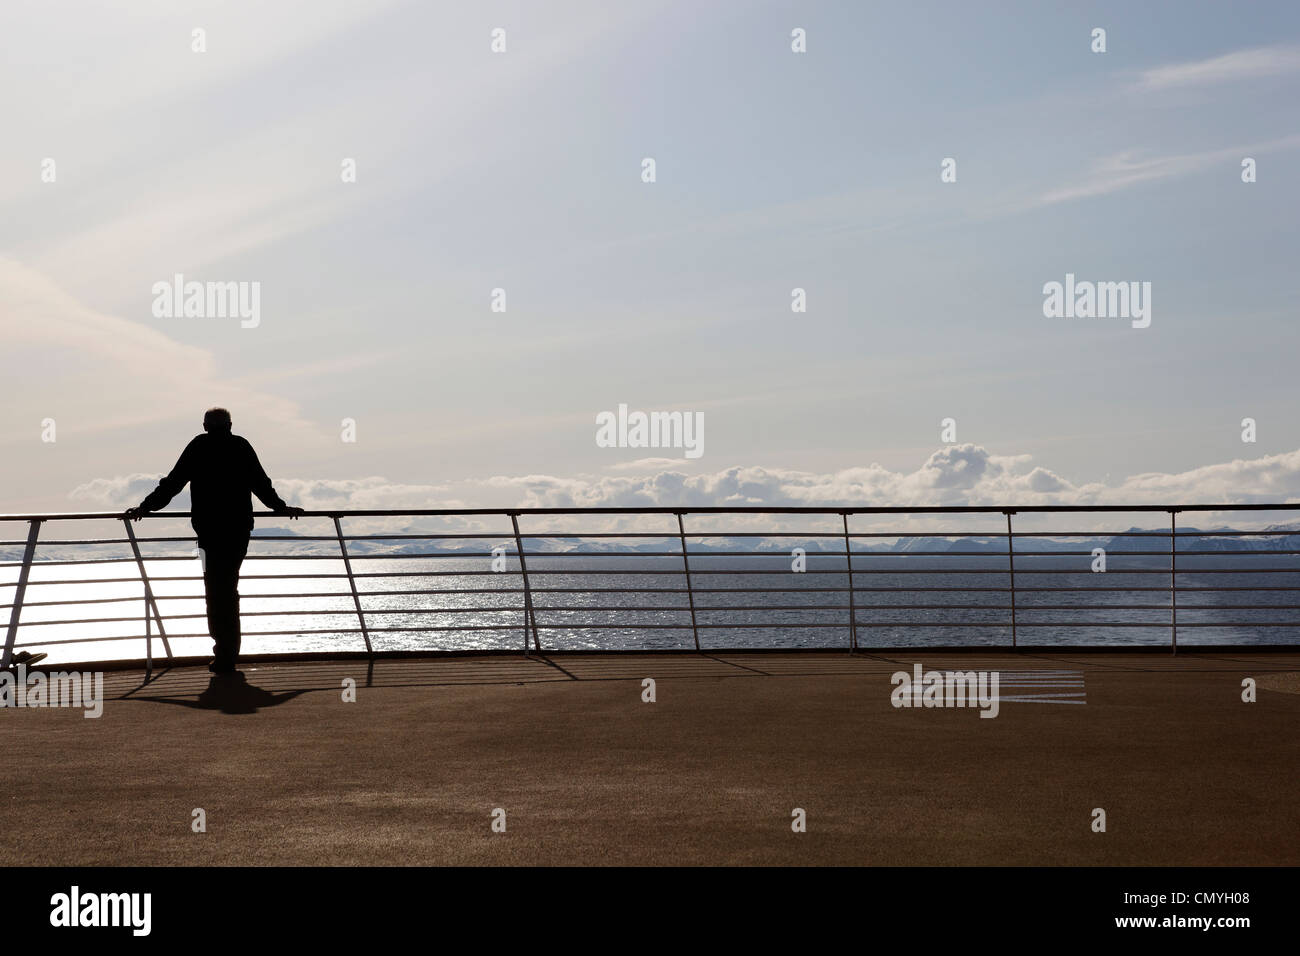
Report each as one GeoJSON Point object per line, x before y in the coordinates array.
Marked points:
{"type": "Point", "coordinates": [690, 591]}
{"type": "Point", "coordinates": [1173, 581]}
{"type": "Point", "coordinates": [352, 583]}
{"type": "Point", "coordinates": [1011, 570]}
{"type": "Point", "coordinates": [16, 611]}
{"type": "Point", "coordinates": [531, 616]}
{"type": "Point", "coordinates": [150, 605]}
{"type": "Point", "coordinates": [853, 611]}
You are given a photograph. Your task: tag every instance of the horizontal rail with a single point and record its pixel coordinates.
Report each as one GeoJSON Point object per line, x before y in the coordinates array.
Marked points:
{"type": "Point", "coordinates": [739, 509]}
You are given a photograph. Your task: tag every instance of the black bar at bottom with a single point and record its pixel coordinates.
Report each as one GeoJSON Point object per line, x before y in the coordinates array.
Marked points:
{"type": "Point", "coordinates": [938, 909]}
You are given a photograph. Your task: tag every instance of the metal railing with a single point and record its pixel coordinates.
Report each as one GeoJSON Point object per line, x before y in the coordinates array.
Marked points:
{"type": "Point", "coordinates": [827, 579]}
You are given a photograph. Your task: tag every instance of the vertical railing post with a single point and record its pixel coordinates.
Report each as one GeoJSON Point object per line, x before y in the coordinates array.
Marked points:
{"type": "Point", "coordinates": [352, 582]}
{"type": "Point", "coordinates": [690, 591]}
{"type": "Point", "coordinates": [853, 612]}
{"type": "Point", "coordinates": [149, 604]}
{"type": "Point", "coordinates": [531, 616]}
{"type": "Point", "coordinates": [1173, 581]}
{"type": "Point", "coordinates": [19, 590]}
{"type": "Point", "coordinates": [1011, 569]}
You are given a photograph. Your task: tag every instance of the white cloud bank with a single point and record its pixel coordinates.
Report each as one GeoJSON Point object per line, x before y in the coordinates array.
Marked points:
{"type": "Point", "coordinates": [965, 474]}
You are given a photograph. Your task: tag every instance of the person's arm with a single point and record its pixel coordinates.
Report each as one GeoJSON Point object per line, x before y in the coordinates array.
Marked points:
{"type": "Point", "coordinates": [168, 488]}
{"type": "Point", "coordinates": [261, 486]}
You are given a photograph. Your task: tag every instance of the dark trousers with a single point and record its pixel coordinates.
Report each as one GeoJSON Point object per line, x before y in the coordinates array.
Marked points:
{"type": "Point", "coordinates": [222, 556]}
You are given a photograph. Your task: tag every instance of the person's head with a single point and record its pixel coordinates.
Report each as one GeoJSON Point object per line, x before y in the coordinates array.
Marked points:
{"type": "Point", "coordinates": [216, 421]}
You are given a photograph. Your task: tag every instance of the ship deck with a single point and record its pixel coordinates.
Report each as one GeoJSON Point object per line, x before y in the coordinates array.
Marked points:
{"type": "Point", "coordinates": [287, 772]}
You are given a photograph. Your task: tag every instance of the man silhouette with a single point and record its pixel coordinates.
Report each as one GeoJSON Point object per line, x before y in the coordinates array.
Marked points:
{"type": "Point", "coordinates": [222, 469]}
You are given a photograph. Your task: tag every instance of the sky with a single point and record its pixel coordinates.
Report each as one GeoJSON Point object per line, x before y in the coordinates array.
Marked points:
{"type": "Point", "coordinates": [522, 170]}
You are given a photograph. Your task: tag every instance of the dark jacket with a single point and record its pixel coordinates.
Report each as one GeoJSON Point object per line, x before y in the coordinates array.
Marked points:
{"type": "Point", "coordinates": [222, 469]}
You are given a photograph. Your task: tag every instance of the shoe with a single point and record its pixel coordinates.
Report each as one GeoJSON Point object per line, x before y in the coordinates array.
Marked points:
{"type": "Point", "coordinates": [26, 657]}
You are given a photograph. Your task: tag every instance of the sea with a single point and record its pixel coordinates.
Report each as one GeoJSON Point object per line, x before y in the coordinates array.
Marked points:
{"type": "Point", "coordinates": [93, 609]}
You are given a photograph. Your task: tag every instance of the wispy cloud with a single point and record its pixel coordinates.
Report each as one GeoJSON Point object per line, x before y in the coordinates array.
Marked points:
{"type": "Point", "coordinates": [80, 365]}
{"type": "Point", "coordinates": [1239, 65]}
{"type": "Point", "coordinates": [1122, 170]}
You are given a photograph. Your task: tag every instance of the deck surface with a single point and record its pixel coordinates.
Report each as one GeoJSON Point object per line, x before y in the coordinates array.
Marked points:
{"type": "Point", "coordinates": [587, 773]}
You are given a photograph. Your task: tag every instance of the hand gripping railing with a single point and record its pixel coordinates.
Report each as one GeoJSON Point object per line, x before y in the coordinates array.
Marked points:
{"type": "Point", "coordinates": [595, 588]}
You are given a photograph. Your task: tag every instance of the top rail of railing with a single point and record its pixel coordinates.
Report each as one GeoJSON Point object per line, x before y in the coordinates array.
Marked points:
{"type": "Point", "coordinates": [695, 509]}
